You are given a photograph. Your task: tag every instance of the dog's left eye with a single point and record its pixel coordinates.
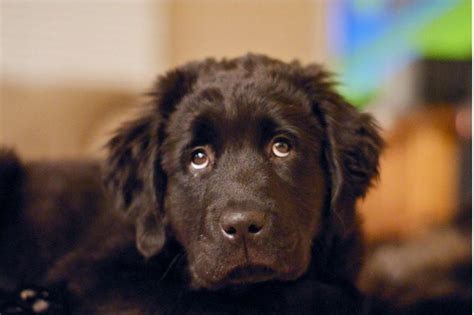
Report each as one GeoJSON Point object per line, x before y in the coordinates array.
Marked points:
{"type": "Point", "coordinates": [199, 159]}
{"type": "Point", "coordinates": [281, 147]}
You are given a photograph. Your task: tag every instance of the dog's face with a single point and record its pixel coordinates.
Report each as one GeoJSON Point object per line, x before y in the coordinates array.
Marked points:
{"type": "Point", "coordinates": [245, 181]}
{"type": "Point", "coordinates": [240, 163]}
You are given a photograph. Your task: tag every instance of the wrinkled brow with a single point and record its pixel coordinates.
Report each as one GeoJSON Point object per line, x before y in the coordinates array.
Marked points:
{"type": "Point", "coordinates": [291, 120]}
{"type": "Point", "coordinates": [270, 127]}
{"type": "Point", "coordinates": [204, 131]}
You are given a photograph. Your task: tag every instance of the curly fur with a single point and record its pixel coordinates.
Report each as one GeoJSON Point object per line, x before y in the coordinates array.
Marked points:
{"type": "Point", "coordinates": [171, 216]}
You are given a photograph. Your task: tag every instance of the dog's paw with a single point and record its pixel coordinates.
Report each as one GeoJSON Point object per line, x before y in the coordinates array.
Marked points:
{"type": "Point", "coordinates": [32, 300]}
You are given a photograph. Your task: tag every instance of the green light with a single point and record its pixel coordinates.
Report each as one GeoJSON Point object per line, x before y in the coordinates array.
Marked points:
{"type": "Point", "coordinates": [447, 37]}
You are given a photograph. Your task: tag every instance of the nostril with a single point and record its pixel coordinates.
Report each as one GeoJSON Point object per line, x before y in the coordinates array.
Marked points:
{"type": "Point", "coordinates": [254, 229]}
{"type": "Point", "coordinates": [237, 224]}
{"type": "Point", "coordinates": [230, 230]}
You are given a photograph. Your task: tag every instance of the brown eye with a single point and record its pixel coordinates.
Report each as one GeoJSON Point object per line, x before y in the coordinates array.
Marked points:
{"type": "Point", "coordinates": [199, 159]}
{"type": "Point", "coordinates": [281, 148]}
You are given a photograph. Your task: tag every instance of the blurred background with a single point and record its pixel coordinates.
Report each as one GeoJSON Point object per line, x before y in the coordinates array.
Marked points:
{"type": "Point", "coordinates": [72, 70]}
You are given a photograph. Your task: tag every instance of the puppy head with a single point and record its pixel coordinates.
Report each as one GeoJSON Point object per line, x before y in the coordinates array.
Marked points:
{"type": "Point", "coordinates": [245, 162]}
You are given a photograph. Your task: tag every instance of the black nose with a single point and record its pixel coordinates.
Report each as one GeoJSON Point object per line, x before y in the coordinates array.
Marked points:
{"type": "Point", "coordinates": [237, 224]}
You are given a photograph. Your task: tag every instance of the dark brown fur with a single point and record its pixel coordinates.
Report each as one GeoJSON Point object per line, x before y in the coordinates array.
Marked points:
{"type": "Point", "coordinates": [310, 249]}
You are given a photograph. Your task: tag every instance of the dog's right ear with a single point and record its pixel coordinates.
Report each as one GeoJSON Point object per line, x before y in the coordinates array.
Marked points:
{"type": "Point", "coordinates": [352, 144]}
{"type": "Point", "coordinates": [132, 171]}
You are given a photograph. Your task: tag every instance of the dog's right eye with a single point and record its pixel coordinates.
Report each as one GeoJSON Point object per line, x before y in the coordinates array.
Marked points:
{"type": "Point", "coordinates": [281, 147]}
{"type": "Point", "coordinates": [199, 159]}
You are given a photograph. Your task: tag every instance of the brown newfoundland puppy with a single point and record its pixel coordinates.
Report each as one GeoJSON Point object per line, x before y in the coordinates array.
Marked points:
{"type": "Point", "coordinates": [238, 184]}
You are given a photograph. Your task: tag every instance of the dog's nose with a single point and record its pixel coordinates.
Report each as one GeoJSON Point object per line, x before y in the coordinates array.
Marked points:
{"type": "Point", "coordinates": [237, 224]}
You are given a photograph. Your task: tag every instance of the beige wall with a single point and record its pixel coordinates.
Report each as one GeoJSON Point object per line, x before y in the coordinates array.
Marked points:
{"type": "Point", "coordinates": [70, 69]}
{"type": "Point", "coordinates": [54, 122]}
{"type": "Point", "coordinates": [94, 43]}
{"type": "Point", "coordinates": [285, 29]}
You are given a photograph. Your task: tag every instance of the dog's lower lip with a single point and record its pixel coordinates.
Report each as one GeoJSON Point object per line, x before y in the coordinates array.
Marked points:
{"type": "Point", "coordinates": [250, 274]}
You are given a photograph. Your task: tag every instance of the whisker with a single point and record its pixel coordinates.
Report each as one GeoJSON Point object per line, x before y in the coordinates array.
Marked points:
{"type": "Point", "coordinates": [172, 263]}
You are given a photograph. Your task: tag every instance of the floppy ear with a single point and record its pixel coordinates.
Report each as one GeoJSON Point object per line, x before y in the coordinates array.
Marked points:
{"type": "Point", "coordinates": [352, 144]}
{"type": "Point", "coordinates": [133, 173]}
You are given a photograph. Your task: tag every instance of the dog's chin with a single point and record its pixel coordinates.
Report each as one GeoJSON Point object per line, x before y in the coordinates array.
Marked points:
{"type": "Point", "coordinates": [241, 270]}
{"type": "Point", "coordinates": [245, 276]}
{"type": "Point", "coordinates": [249, 274]}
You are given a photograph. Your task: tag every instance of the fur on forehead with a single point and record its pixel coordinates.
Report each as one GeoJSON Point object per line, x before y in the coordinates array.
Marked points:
{"type": "Point", "coordinates": [242, 96]}
{"type": "Point", "coordinates": [240, 86]}
{"type": "Point", "coordinates": [251, 118]}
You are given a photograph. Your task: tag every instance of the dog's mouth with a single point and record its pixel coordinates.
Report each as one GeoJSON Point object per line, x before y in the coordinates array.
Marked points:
{"type": "Point", "coordinates": [250, 274]}
{"type": "Point", "coordinates": [244, 268]}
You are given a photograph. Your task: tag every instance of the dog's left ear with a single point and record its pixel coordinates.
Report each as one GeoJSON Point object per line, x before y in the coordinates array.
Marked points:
{"type": "Point", "coordinates": [352, 143]}
{"type": "Point", "coordinates": [133, 180]}
{"type": "Point", "coordinates": [132, 172]}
